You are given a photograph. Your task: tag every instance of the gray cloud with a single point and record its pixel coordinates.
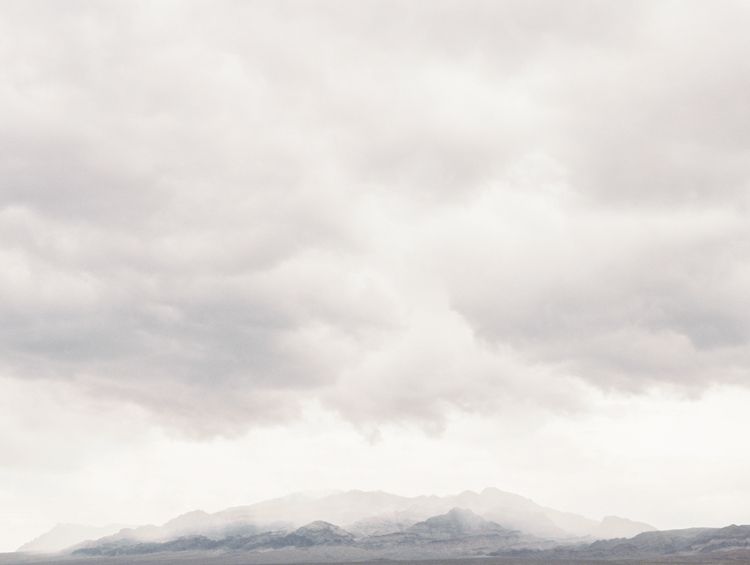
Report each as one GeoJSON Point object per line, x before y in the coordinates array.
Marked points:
{"type": "Point", "coordinates": [223, 212]}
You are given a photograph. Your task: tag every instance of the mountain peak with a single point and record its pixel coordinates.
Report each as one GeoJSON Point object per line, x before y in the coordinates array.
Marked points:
{"type": "Point", "coordinates": [456, 521]}
{"type": "Point", "coordinates": [320, 533]}
{"type": "Point", "coordinates": [320, 525]}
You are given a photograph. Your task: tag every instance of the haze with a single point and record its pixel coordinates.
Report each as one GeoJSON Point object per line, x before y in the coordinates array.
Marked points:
{"type": "Point", "coordinates": [248, 249]}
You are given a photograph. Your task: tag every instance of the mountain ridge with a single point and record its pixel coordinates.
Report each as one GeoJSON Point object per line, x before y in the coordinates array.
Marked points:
{"type": "Point", "coordinates": [456, 533]}
{"type": "Point", "coordinates": [364, 514]}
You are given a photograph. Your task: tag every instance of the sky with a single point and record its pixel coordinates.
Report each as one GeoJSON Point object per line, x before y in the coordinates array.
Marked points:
{"type": "Point", "coordinates": [253, 248]}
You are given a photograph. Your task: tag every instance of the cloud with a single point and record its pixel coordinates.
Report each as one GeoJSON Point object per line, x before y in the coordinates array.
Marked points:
{"type": "Point", "coordinates": [222, 213]}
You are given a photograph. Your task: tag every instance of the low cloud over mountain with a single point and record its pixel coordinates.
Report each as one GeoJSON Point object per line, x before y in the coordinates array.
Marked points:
{"type": "Point", "coordinates": [377, 520]}
{"type": "Point", "coordinates": [459, 533]}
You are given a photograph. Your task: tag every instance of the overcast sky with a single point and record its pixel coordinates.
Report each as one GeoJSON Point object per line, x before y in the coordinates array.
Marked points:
{"type": "Point", "coordinates": [254, 248]}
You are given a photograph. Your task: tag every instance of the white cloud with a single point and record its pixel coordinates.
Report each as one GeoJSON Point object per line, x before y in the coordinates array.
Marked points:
{"type": "Point", "coordinates": [219, 214]}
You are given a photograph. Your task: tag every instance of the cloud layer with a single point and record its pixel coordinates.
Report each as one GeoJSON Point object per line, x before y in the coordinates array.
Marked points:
{"type": "Point", "coordinates": [220, 213]}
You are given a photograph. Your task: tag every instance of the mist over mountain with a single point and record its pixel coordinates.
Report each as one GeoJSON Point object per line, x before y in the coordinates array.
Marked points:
{"type": "Point", "coordinates": [65, 535]}
{"type": "Point", "coordinates": [380, 516]}
{"type": "Point", "coordinates": [357, 526]}
{"type": "Point", "coordinates": [616, 527]}
{"type": "Point", "coordinates": [457, 533]}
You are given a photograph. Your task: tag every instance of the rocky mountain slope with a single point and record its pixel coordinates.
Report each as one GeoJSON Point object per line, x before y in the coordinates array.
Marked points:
{"type": "Point", "coordinates": [692, 542]}
{"type": "Point", "coordinates": [365, 514]}
{"type": "Point", "coordinates": [232, 537]}
{"type": "Point", "coordinates": [457, 533]}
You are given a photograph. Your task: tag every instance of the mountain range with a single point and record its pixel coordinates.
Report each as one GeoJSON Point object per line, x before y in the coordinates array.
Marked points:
{"type": "Point", "coordinates": [367, 526]}
{"type": "Point", "coordinates": [362, 514]}
{"type": "Point", "coordinates": [457, 533]}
